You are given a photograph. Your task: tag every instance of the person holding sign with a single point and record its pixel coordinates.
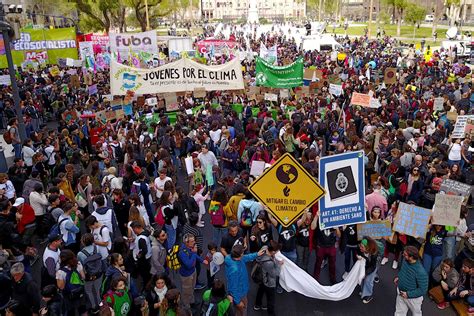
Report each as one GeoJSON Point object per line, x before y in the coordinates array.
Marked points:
{"type": "Point", "coordinates": [433, 253]}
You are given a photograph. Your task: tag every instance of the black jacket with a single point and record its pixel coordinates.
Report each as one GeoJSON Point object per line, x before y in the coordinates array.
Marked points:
{"type": "Point", "coordinates": [27, 292]}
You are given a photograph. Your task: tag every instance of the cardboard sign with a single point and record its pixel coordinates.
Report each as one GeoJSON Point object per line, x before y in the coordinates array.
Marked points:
{"type": "Point", "coordinates": [412, 220]}
{"type": "Point", "coordinates": [438, 104]}
{"type": "Point", "coordinates": [88, 79]}
{"type": "Point", "coordinates": [287, 189]}
{"type": "Point", "coordinates": [374, 229]}
{"type": "Point", "coordinates": [447, 209]}
{"type": "Point", "coordinates": [110, 115]}
{"type": "Point", "coordinates": [451, 187]}
{"type": "Point", "coordinates": [284, 94]}
{"type": "Point", "coordinates": [5, 80]}
{"type": "Point", "coordinates": [390, 76]}
{"type": "Point", "coordinates": [199, 93]}
{"type": "Point", "coordinates": [117, 103]}
{"type": "Point", "coordinates": [308, 74]}
{"type": "Point", "coordinates": [127, 109]}
{"type": "Point", "coordinates": [360, 99]}
{"type": "Point", "coordinates": [271, 97]}
{"type": "Point", "coordinates": [460, 128]}
{"type": "Point", "coordinates": [75, 81]}
{"type": "Point", "coordinates": [141, 101]}
{"type": "Point", "coordinates": [374, 103]}
{"type": "Point", "coordinates": [120, 114]}
{"type": "Point", "coordinates": [54, 71]}
{"type": "Point", "coordinates": [335, 89]}
{"type": "Point", "coordinates": [254, 90]}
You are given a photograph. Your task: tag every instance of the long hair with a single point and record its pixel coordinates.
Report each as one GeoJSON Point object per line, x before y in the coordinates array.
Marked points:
{"type": "Point", "coordinates": [68, 258]}
{"type": "Point", "coordinates": [170, 302]}
{"type": "Point", "coordinates": [220, 195]}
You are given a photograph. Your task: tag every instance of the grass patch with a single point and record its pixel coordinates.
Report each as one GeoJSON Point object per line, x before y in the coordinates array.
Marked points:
{"type": "Point", "coordinates": [390, 30]}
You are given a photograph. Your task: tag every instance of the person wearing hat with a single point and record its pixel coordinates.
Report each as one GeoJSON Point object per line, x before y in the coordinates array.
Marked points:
{"type": "Point", "coordinates": [50, 260]}
{"type": "Point", "coordinates": [25, 216]}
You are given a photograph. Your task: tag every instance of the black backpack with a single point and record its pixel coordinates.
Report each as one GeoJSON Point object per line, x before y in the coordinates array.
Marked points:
{"type": "Point", "coordinates": [210, 308]}
{"type": "Point", "coordinates": [94, 266]}
{"type": "Point", "coordinates": [257, 272]}
{"type": "Point", "coordinates": [118, 152]}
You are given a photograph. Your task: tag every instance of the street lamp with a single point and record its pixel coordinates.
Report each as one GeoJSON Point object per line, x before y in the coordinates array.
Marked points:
{"type": "Point", "coordinates": [8, 33]}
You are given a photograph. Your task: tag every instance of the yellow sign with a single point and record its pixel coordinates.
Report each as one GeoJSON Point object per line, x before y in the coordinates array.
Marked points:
{"type": "Point", "coordinates": [287, 189]}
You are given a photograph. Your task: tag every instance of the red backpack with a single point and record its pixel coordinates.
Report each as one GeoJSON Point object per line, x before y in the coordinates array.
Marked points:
{"type": "Point", "coordinates": [160, 217]}
{"type": "Point", "coordinates": [217, 214]}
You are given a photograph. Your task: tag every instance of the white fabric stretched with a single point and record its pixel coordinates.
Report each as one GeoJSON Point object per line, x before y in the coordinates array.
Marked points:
{"type": "Point", "coordinates": [293, 278]}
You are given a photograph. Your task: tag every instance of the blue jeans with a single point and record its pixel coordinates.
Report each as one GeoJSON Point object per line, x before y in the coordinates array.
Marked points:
{"type": "Point", "coordinates": [171, 235]}
{"type": "Point", "coordinates": [217, 234]}
{"type": "Point", "coordinates": [17, 148]}
{"type": "Point", "coordinates": [431, 262]}
{"type": "Point", "coordinates": [454, 162]}
{"type": "Point", "coordinates": [349, 253]}
{"type": "Point", "coordinates": [368, 284]}
{"type": "Point", "coordinates": [290, 255]}
{"type": "Point", "coordinates": [449, 247]}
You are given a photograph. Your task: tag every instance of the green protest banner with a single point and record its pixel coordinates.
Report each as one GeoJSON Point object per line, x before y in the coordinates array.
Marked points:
{"type": "Point", "coordinates": [288, 76]}
{"type": "Point", "coordinates": [43, 46]}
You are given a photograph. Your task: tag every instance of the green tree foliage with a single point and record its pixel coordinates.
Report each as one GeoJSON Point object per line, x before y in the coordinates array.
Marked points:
{"type": "Point", "coordinates": [156, 9]}
{"type": "Point", "coordinates": [414, 14]}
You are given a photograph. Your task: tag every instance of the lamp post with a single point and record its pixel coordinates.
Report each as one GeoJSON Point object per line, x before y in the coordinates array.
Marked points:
{"type": "Point", "coordinates": [7, 32]}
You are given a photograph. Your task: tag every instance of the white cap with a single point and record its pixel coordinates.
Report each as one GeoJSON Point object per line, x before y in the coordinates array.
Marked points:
{"type": "Point", "coordinates": [18, 202]}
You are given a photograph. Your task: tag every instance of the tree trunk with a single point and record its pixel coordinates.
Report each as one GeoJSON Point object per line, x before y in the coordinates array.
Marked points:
{"type": "Point", "coordinates": [414, 31]}
{"type": "Point", "coordinates": [319, 10]}
{"type": "Point", "coordinates": [435, 19]}
{"type": "Point", "coordinates": [399, 22]}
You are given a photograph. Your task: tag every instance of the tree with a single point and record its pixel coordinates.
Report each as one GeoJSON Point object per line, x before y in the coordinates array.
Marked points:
{"type": "Point", "coordinates": [414, 15]}
{"type": "Point", "coordinates": [101, 15]}
{"type": "Point", "coordinates": [156, 9]}
{"type": "Point", "coordinates": [398, 7]}
{"type": "Point", "coordinates": [453, 10]}
{"type": "Point", "coordinates": [437, 10]}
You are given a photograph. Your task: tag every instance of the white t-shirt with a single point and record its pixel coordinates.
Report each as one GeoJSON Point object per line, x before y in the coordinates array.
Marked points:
{"type": "Point", "coordinates": [9, 189]}
{"type": "Point", "coordinates": [49, 155]}
{"type": "Point", "coordinates": [103, 236]}
{"type": "Point", "coordinates": [455, 152]}
{"type": "Point", "coordinates": [160, 185]}
{"type": "Point", "coordinates": [61, 275]}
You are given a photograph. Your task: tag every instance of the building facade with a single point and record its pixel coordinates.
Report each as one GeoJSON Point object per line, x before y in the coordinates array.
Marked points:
{"type": "Point", "coordinates": [235, 10]}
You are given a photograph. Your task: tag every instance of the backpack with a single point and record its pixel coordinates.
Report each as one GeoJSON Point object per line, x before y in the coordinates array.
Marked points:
{"type": "Point", "coordinates": [257, 272]}
{"type": "Point", "coordinates": [297, 118]}
{"type": "Point", "coordinates": [246, 218]}
{"type": "Point", "coordinates": [211, 308]}
{"type": "Point", "coordinates": [217, 215]}
{"type": "Point", "coordinates": [7, 137]}
{"type": "Point", "coordinates": [160, 217]}
{"type": "Point", "coordinates": [74, 285]}
{"type": "Point", "coordinates": [56, 229]}
{"type": "Point", "coordinates": [48, 220]}
{"type": "Point", "coordinates": [94, 267]}
{"type": "Point", "coordinates": [172, 259]}
{"type": "Point", "coordinates": [107, 185]}
{"type": "Point", "coordinates": [118, 153]}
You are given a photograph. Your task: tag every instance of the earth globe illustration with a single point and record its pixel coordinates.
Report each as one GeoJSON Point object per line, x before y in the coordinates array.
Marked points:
{"type": "Point", "coordinates": [286, 174]}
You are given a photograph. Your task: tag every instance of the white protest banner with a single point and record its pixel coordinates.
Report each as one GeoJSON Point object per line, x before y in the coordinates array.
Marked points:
{"type": "Point", "coordinates": [335, 89]}
{"type": "Point", "coordinates": [374, 103]}
{"type": "Point", "coordinates": [447, 209]}
{"type": "Point", "coordinates": [257, 168]}
{"type": "Point", "coordinates": [181, 75]}
{"type": "Point", "coordinates": [271, 97]}
{"type": "Point", "coordinates": [124, 43]}
{"type": "Point", "coordinates": [438, 104]}
{"type": "Point", "coordinates": [284, 94]}
{"type": "Point", "coordinates": [269, 54]}
{"type": "Point", "coordinates": [460, 126]}
{"type": "Point", "coordinates": [85, 49]}
{"type": "Point", "coordinates": [151, 101]}
{"type": "Point", "coordinates": [5, 80]}
{"type": "Point", "coordinates": [69, 62]}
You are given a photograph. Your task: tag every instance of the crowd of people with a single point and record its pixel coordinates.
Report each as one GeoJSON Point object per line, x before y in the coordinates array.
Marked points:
{"type": "Point", "coordinates": [114, 220]}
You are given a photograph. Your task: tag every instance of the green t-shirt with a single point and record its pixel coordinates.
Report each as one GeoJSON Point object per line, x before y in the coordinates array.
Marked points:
{"type": "Point", "coordinates": [121, 303]}
{"type": "Point", "coordinates": [222, 306]}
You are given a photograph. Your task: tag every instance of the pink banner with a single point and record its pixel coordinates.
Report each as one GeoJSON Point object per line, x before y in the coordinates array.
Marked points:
{"type": "Point", "coordinates": [219, 46]}
{"type": "Point", "coordinates": [100, 42]}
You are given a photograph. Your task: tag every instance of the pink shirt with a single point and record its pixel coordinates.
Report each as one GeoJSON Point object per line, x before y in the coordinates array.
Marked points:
{"type": "Point", "coordinates": [376, 199]}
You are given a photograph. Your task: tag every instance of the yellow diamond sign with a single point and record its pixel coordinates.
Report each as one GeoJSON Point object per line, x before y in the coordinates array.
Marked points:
{"type": "Point", "coordinates": [287, 189]}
